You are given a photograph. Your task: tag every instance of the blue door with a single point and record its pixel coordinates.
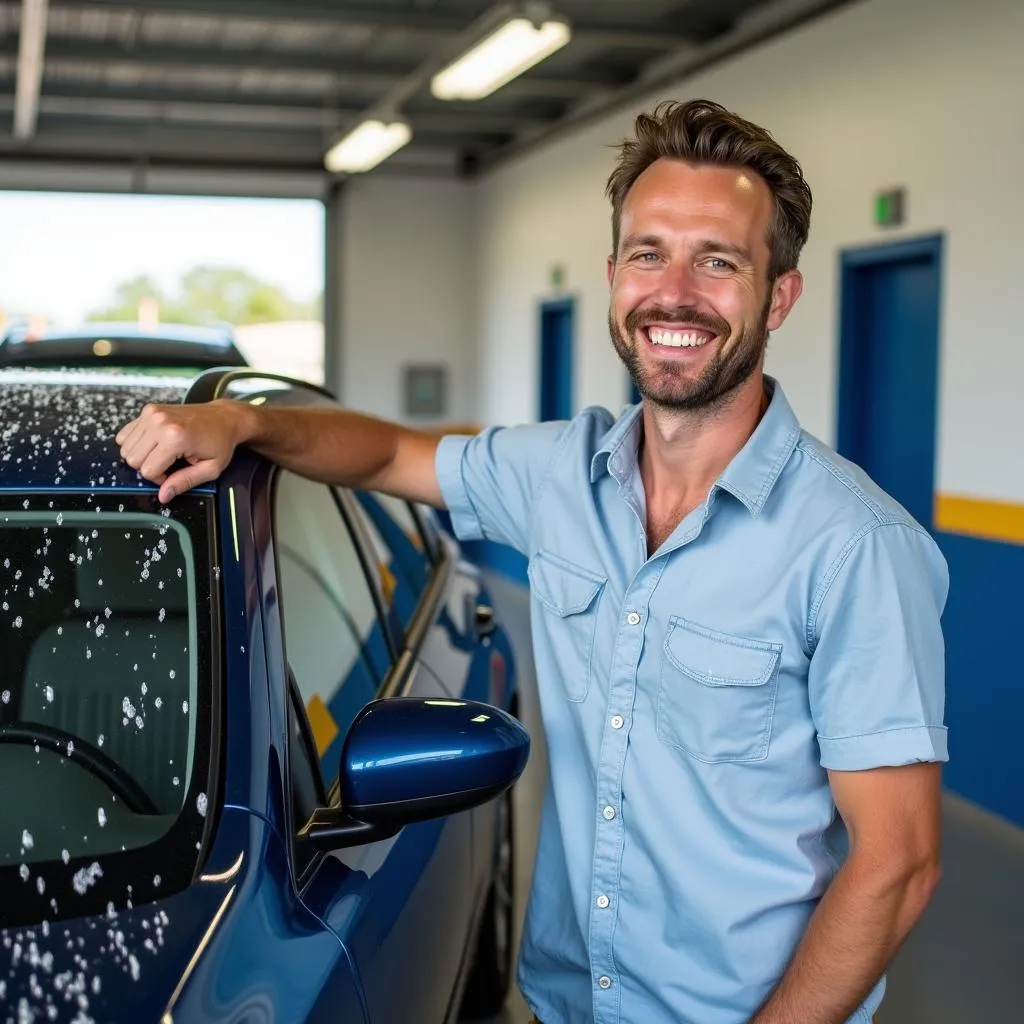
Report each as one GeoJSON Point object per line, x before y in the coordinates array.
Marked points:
{"type": "Point", "coordinates": [556, 360]}
{"type": "Point", "coordinates": [889, 357]}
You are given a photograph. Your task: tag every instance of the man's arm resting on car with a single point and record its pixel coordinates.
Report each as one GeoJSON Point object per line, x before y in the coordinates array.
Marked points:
{"type": "Point", "coordinates": [329, 445]}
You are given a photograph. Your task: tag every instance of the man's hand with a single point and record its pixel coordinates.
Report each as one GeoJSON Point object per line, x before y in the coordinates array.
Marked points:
{"type": "Point", "coordinates": [205, 436]}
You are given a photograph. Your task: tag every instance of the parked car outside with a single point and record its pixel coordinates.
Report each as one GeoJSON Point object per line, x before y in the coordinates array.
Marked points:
{"type": "Point", "coordinates": [256, 746]}
{"type": "Point", "coordinates": [167, 348]}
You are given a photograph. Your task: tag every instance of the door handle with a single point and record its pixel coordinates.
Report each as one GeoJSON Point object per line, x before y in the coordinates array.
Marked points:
{"type": "Point", "coordinates": [484, 620]}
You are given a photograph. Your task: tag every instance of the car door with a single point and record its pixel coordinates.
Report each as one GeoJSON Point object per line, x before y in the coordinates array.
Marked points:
{"type": "Point", "coordinates": [401, 906]}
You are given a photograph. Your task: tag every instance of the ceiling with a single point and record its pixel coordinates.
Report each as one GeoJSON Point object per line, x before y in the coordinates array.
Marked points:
{"type": "Point", "coordinates": [270, 84]}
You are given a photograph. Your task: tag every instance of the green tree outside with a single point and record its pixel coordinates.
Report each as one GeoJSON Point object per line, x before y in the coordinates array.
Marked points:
{"type": "Point", "coordinates": [207, 294]}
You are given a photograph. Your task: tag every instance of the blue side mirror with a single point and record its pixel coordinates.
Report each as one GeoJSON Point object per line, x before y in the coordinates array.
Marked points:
{"type": "Point", "coordinates": [409, 759]}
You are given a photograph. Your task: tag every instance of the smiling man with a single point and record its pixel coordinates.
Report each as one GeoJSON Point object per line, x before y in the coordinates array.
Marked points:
{"type": "Point", "coordinates": [737, 633]}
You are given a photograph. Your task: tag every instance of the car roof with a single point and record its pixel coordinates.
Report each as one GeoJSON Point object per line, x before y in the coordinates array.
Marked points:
{"type": "Point", "coordinates": [57, 427]}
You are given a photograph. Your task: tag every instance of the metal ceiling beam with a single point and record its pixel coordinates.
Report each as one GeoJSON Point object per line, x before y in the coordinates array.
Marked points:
{"type": "Point", "coordinates": [374, 16]}
{"type": "Point", "coordinates": [282, 117]}
{"type": "Point", "coordinates": [31, 43]}
{"type": "Point", "coordinates": [194, 145]}
{"type": "Point", "coordinates": [344, 70]}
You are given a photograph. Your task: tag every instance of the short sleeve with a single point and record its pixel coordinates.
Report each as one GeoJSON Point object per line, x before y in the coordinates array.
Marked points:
{"type": "Point", "coordinates": [877, 674]}
{"type": "Point", "coordinates": [490, 482]}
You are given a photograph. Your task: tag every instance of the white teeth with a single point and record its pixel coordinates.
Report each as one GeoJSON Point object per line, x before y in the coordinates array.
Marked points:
{"type": "Point", "coordinates": [676, 339]}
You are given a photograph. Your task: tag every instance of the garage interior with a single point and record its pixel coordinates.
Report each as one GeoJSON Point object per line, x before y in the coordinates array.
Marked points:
{"type": "Point", "coordinates": [250, 97]}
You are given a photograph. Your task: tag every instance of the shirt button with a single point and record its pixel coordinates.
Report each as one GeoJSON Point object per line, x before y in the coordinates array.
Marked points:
{"type": "Point", "coordinates": [609, 813]}
{"type": "Point", "coordinates": [633, 618]}
{"type": "Point", "coordinates": [604, 981]}
{"type": "Point", "coordinates": [617, 721]}
{"type": "Point", "coordinates": [603, 901]}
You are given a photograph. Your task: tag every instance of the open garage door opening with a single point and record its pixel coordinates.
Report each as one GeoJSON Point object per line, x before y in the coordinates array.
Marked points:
{"type": "Point", "coordinates": [162, 283]}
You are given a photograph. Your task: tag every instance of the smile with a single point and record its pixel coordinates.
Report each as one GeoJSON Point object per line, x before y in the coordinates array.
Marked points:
{"type": "Point", "coordinates": [678, 339]}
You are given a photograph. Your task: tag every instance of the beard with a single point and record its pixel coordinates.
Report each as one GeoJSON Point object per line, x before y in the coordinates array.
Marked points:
{"type": "Point", "coordinates": [666, 384]}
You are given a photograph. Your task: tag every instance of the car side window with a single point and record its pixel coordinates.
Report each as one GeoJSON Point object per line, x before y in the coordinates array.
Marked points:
{"type": "Point", "coordinates": [334, 639]}
{"type": "Point", "coordinates": [404, 563]}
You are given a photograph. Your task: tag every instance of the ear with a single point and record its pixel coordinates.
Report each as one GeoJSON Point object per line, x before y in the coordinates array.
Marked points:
{"type": "Point", "coordinates": [785, 291]}
{"type": "Point", "coordinates": [610, 270]}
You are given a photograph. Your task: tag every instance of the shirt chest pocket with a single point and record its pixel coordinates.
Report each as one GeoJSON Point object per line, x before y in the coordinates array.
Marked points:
{"type": "Point", "coordinates": [570, 596]}
{"type": "Point", "coordinates": [717, 693]}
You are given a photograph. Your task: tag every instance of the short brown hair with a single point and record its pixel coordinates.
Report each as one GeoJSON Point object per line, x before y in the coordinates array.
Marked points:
{"type": "Point", "coordinates": [704, 132]}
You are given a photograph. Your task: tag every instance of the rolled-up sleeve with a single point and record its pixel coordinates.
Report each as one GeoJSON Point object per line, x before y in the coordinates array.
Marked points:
{"type": "Point", "coordinates": [490, 482]}
{"type": "Point", "coordinates": [877, 674]}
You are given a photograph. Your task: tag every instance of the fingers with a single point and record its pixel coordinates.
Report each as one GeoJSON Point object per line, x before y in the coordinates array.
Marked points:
{"type": "Point", "coordinates": [185, 479]}
{"type": "Point", "coordinates": [125, 433]}
{"type": "Point", "coordinates": [152, 445]}
{"type": "Point", "coordinates": [163, 435]}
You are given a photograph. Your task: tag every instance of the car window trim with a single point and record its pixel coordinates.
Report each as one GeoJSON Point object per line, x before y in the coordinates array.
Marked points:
{"type": "Point", "coordinates": [399, 683]}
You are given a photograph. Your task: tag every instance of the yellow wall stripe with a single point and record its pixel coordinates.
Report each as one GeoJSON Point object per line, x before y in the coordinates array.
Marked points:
{"type": "Point", "coordinates": [991, 520]}
{"type": "Point", "coordinates": [322, 722]}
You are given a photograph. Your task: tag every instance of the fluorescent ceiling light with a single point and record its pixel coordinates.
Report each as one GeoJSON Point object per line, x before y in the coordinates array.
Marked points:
{"type": "Point", "coordinates": [498, 58]}
{"type": "Point", "coordinates": [366, 146]}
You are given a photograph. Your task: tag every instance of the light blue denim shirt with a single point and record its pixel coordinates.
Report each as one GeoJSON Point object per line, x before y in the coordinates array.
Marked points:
{"type": "Point", "coordinates": [692, 702]}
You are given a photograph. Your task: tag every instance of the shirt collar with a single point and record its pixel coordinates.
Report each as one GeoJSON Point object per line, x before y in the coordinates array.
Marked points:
{"type": "Point", "coordinates": [756, 467]}
{"type": "Point", "coordinates": [624, 437]}
{"type": "Point", "coordinates": [751, 474]}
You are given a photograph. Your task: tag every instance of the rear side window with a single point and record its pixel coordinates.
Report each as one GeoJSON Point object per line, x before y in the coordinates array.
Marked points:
{"type": "Point", "coordinates": [401, 551]}
{"type": "Point", "coordinates": [335, 642]}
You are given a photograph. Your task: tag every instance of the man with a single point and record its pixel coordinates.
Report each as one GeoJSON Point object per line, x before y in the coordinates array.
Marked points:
{"type": "Point", "coordinates": [736, 632]}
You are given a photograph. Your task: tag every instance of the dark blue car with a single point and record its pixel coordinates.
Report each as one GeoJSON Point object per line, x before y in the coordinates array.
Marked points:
{"type": "Point", "coordinates": [256, 747]}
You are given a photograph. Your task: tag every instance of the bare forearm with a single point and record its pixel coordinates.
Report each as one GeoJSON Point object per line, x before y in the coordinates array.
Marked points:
{"type": "Point", "coordinates": [852, 937]}
{"type": "Point", "coordinates": [345, 448]}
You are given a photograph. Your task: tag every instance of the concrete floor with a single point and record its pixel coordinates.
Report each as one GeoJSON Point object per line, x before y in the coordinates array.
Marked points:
{"type": "Point", "coordinates": [963, 964]}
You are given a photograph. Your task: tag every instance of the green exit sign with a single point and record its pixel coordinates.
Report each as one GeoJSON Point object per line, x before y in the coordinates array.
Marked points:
{"type": "Point", "coordinates": [889, 207]}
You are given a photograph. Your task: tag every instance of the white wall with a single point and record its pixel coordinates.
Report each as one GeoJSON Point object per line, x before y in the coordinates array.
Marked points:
{"type": "Point", "coordinates": [408, 295]}
{"type": "Point", "coordinates": [921, 93]}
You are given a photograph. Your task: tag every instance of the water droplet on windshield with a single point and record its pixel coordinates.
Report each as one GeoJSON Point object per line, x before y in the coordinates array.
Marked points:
{"type": "Point", "coordinates": [201, 804]}
{"type": "Point", "coordinates": [86, 877]}
{"type": "Point", "coordinates": [102, 816]}
{"type": "Point", "coordinates": [27, 840]}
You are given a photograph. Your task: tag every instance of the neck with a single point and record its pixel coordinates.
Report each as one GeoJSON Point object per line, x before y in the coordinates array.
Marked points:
{"type": "Point", "coordinates": [684, 452]}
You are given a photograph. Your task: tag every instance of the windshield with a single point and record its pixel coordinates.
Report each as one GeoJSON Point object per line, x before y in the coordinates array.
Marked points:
{"type": "Point", "coordinates": [107, 620]}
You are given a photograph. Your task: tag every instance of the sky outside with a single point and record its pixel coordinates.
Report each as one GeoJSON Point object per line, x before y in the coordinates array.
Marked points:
{"type": "Point", "coordinates": [63, 255]}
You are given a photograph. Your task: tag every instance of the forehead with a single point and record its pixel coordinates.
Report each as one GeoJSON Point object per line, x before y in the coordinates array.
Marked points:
{"type": "Point", "coordinates": [677, 194]}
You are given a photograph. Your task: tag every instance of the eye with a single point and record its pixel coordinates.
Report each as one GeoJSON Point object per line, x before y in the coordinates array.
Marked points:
{"type": "Point", "coordinates": [717, 263]}
{"type": "Point", "coordinates": [647, 256]}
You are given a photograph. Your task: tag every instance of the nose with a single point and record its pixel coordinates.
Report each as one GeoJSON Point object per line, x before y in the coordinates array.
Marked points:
{"type": "Point", "coordinates": [678, 285]}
